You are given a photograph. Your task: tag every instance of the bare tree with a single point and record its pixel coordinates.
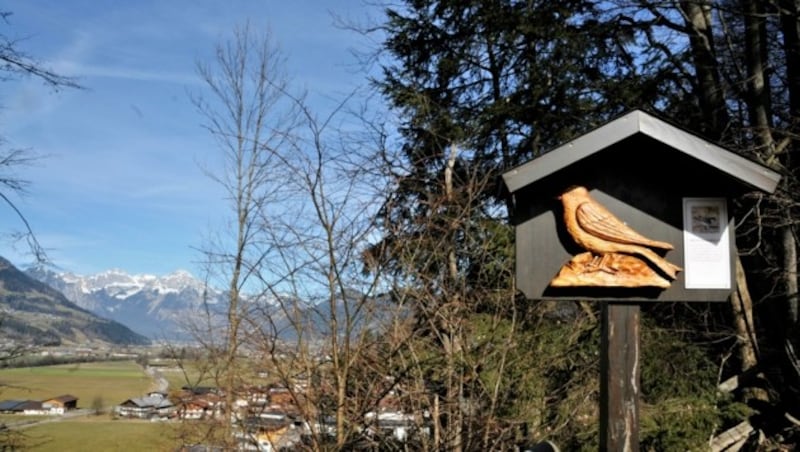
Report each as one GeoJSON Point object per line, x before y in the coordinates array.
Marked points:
{"type": "Point", "coordinates": [244, 114]}
{"type": "Point", "coordinates": [298, 304]}
{"type": "Point", "coordinates": [322, 297]}
{"type": "Point", "coordinates": [451, 270]}
{"type": "Point", "coordinates": [16, 64]}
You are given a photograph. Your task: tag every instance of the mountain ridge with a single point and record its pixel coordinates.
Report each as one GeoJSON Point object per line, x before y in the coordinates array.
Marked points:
{"type": "Point", "coordinates": [35, 313]}
{"type": "Point", "coordinates": [149, 304]}
{"type": "Point", "coordinates": [164, 307]}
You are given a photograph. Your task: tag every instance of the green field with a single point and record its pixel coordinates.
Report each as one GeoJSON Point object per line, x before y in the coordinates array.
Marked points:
{"type": "Point", "coordinates": [188, 375]}
{"type": "Point", "coordinates": [101, 434]}
{"type": "Point", "coordinates": [178, 379]}
{"type": "Point", "coordinates": [112, 381]}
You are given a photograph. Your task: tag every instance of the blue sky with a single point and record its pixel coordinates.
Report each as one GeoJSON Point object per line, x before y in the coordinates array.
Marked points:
{"type": "Point", "coordinates": [119, 183]}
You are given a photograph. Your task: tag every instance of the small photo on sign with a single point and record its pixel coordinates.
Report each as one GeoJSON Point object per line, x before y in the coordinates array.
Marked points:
{"type": "Point", "coordinates": [706, 244]}
{"type": "Point", "coordinates": [705, 219]}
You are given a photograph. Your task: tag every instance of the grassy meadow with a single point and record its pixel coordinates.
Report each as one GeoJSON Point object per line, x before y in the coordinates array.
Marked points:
{"type": "Point", "coordinates": [190, 374]}
{"type": "Point", "coordinates": [100, 433]}
{"type": "Point", "coordinates": [187, 376]}
{"type": "Point", "coordinates": [112, 381]}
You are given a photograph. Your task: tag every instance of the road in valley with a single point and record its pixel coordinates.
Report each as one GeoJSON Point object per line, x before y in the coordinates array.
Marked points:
{"type": "Point", "coordinates": [160, 383]}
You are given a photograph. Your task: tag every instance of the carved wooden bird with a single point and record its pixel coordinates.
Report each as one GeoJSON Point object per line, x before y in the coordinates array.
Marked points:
{"type": "Point", "coordinates": [600, 232]}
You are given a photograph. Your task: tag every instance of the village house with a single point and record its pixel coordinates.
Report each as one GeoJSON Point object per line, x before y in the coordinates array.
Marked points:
{"type": "Point", "coordinates": [60, 404]}
{"type": "Point", "coordinates": [390, 419]}
{"type": "Point", "coordinates": [153, 405]}
{"type": "Point", "coordinates": [204, 403]}
{"type": "Point", "coordinates": [268, 433]}
{"type": "Point", "coordinates": [199, 407]}
{"type": "Point", "coordinates": [34, 408]}
{"type": "Point", "coordinates": [395, 423]}
{"type": "Point", "coordinates": [26, 407]}
{"type": "Point", "coordinates": [256, 395]}
{"type": "Point", "coordinates": [251, 397]}
{"type": "Point", "coordinates": [271, 403]}
{"type": "Point", "coordinates": [300, 383]}
{"type": "Point", "coordinates": [194, 409]}
{"type": "Point", "coordinates": [54, 406]}
{"type": "Point", "coordinates": [200, 390]}
{"type": "Point", "coordinates": [280, 396]}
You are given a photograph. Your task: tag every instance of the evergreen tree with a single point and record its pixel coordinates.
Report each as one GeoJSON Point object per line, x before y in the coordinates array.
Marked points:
{"type": "Point", "coordinates": [481, 86]}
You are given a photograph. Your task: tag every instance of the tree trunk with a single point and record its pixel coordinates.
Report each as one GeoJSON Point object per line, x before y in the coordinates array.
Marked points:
{"type": "Point", "coordinates": [709, 87]}
{"type": "Point", "coordinates": [760, 115]}
{"type": "Point", "coordinates": [742, 304]}
{"type": "Point", "coordinates": [790, 21]}
{"type": "Point", "coordinates": [759, 104]}
{"type": "Point", "coordinates": [453, 323]}
{"type": "Point", "coordinates": [743, 319]}
{"type": "Point", "coordinates": [712, 102]}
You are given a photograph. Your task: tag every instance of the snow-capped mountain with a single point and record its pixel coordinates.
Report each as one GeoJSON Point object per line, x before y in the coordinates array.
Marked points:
{"type": "Point", "coordinates": [164, 307]}
{"type": "Point", "coordinates": [156, 306]}
{"type": "Point", "coordinates": [35, 313]}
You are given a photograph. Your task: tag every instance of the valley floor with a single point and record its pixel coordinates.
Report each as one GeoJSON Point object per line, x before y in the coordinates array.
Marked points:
{"type": "Point", "coordinates": [100, 433]}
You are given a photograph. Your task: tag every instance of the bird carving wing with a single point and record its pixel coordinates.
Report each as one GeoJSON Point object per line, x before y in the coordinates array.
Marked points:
{"type": "Point", "coordinates": [599, 222]}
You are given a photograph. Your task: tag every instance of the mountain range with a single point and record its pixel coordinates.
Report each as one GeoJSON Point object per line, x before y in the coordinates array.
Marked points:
{"type": "Point", "coordinates": [32, 312]}
{"type": "Point", "coordinates": [163, 308]}
{"type": "Point", "coordinates": [155, 306]}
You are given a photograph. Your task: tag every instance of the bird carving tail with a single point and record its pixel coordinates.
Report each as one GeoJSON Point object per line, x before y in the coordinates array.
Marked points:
{"type": "Point", "coordinates": [664, 265]}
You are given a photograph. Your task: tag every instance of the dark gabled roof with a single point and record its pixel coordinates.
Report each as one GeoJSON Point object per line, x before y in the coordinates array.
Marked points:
{"type": "Point", "coordinates": [639, 122]}
{"type": "Point", "coordinates": [266, 423]}
{"type": "Point", "coordinates": [200, 390]}
{"type": "Point", "coordinates": [10, 405]}
{"type": "Point", "coordinates": [19, 405]}
{"type": "Point", "coordinates": [66, 398]}
{"type": "Point", "coordinates": [148, 402]}
{"type": "Point", "coordinates": [7, 405]}
{"type": "Point", "coordinates": [29, 405]}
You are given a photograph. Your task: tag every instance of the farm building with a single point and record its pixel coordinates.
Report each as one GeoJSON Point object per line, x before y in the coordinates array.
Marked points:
{"type": "Point", "coordinates": [28, 407]}
{"type": "Point", "coordinates": [60, 404]}
{"type": "Point", "coordinates": [199, 406]}
{"type": "Point", "coordinates": [153, 405]}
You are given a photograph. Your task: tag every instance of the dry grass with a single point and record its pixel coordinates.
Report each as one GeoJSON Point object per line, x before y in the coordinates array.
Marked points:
{"type": "Point", "coordinates": [101, 434]}
{"type": "Point", "coordinates": [113, 382]}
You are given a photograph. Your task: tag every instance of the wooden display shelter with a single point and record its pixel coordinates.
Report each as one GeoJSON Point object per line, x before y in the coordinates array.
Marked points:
{"type": "Point", "coordinates": [667, 184]}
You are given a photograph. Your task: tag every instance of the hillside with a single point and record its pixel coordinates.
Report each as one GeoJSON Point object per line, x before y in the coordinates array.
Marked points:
{"type": "Point", "coordinates": [164, 307]}
{"type": "Point", "coordinates": [34, 313]}
{"type": "Point", "coordinates": [158, 307]}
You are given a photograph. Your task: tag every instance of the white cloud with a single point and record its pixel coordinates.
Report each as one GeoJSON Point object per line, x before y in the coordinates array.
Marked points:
{"type": "Point", "coordinates": [82, 70]}
{"type": "Point", "coordinates": [122, 169]}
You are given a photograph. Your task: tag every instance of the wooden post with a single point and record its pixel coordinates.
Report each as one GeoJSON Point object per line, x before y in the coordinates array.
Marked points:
{"type": "Point", "coordinates": [619, 378]}
{"type": "Point", "coordinates": [550, 238]}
